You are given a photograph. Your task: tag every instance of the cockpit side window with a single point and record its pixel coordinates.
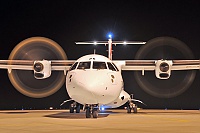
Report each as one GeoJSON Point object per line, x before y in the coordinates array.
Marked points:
{"type": "Point", "coordinates": [99, 65]}
{"type": "Point", "coordinates": [84, 65]}
{"type": "Point", "coordinates": [111, 67]}
{"type": "Point", "coordinates": [115, 66]}
{"type": "Point", "coordinates": [73, 66]}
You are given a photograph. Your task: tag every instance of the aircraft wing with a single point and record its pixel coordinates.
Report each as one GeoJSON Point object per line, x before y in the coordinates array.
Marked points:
{"type": "Point", "coordinates": [62, 64]}
{"type": "Point", "coordinates": [16, 64]}
{"type": "Point", "coordinates": [162, 68]}
{"type": "Point", "coordinates": [185, 64]}
{"type": "Point", "coordinates": [46, 65]}
{"type": "Point", "coordinates": [136, 64]}
{"type": "Point", "coordinates": [28, 64]}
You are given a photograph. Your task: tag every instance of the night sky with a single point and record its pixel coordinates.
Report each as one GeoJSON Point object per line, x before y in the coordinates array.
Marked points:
{"type": "Point", "coordinates": [82, 20]}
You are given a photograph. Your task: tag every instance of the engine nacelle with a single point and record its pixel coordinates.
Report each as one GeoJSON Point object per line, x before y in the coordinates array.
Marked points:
{"type": "Point", "coordinates": [163, 69]}
{"type": "Point", "coordinates": [42, 69]}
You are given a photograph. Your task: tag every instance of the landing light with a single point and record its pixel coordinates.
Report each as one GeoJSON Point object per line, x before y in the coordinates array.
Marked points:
{"type": "Point", "coordinates": [124, 42]}
{"type": "Point", "coordinates": [95, 43]}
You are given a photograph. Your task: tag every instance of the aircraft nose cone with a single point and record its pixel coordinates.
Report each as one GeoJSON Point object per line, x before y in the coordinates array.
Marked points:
{"type": "Point", "coordinates": [99, 84]}
{"type": "Point", "coordinates": [93, 87]}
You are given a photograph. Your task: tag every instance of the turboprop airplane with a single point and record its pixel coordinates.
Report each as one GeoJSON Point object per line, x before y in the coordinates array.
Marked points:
{"type": "Point", "coordinates": [37, 67]}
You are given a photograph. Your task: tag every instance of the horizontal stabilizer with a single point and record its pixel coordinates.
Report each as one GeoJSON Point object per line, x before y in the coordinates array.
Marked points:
{"type": "Point", "coordinates": [114, 42]}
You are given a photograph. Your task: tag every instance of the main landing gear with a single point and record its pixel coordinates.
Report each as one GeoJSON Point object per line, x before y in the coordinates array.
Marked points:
{"type": "Point", "coordinates": [74, 106]}
{"type": "Point", "coordinates": [91, 110]}
{"type": "Point", "coordinates": [131, 106]}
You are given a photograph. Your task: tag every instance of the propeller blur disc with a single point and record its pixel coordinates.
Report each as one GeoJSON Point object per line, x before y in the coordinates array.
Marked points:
{"type": "Point", "coordinates": [37, 48]}
{"type": "Point", "coordinates": [165, 48]}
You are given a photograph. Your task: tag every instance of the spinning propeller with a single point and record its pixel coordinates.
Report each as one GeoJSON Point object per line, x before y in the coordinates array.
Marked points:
{"type": "Point", "coordinates": [37, 48]}
{"type": "Point", "coordinates": [166, 48]}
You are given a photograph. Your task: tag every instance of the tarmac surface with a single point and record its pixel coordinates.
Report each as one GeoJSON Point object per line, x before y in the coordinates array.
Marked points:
{"type": "Point", "coordinates": [117, 121]}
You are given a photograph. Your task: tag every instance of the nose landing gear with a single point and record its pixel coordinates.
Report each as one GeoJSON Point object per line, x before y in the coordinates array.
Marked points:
{"type": "Point", "coordinates": [91, 110]}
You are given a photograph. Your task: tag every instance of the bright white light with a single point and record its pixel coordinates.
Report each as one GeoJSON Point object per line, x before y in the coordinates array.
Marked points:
{"type": "Point", "coordinates": [102, 108]}
{"type": "Point", "coordinates": [110, 35]}
{"type": "Point", "coordinates": [124, 43]}
{"type": "Point", "coordinates": [95, 43]}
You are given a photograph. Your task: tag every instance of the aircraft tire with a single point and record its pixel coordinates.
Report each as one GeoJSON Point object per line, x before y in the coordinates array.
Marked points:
{"type": "Point", "coordinates": [95, 113]}
{"type": "Point", "coordinates": [71, 109]}
{"type": "Point", "coordinates": [128, 109]}
{"type": "Point", "coordinates": [88, 113]}
{"type": "Point", "coordinates": [78, 108]}
{"type": "Point", "coordinates": [135, 109]}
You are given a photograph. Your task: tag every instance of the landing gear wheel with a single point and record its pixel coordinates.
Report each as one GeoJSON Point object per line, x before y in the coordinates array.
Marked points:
{"type": "Point", "coordinates": [95, 113]}
{"type": "Point", "coordinates": [88, 113]}
{"type": "Point", "coordinates": [128, 109]}
{"type": "Point", "coordinates": [135, 109]}
{"type": "Point", "coordinates": [71, 109]}
{"type": "Point", "coordinates": [78, 107]}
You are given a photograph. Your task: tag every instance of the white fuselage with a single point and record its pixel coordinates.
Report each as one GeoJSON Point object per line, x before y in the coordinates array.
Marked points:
{"type": "Point", "coordinates": [94, 79]}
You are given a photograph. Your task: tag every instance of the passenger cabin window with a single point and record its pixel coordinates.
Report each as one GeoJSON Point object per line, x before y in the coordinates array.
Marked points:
{"type": "Point", "coordinates": [73, 66]}
{"type": "Point", "coordinates": [99, 65]}
{"type": "Point", "coordinates": [111, 67]}
{"type": "Point", "coordinates": [84, 65]}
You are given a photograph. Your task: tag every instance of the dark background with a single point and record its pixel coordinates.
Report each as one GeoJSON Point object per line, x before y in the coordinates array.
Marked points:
{"type": "Point", "coordinates": [68, 21]}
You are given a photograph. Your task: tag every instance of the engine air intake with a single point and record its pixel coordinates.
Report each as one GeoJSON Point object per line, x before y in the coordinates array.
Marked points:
{"type": "Point", "coordinates": [164, 67]}
{"type": "Point", "coordinates": [38, 67]}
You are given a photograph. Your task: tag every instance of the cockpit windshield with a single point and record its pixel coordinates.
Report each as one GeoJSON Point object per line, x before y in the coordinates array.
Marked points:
{"type": "Point", "coordinates": [115, 67]}
{"type": "Point", "coordinates": [99, 65]}
{"type": "Point", "coordinates": [73, 66]}
{"type": "Point", "coordinates": [84, 65]}
{"type": "Point", "coordinates": [112, 67]}
{"type": "Point", "coordinates": [95, 65]}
